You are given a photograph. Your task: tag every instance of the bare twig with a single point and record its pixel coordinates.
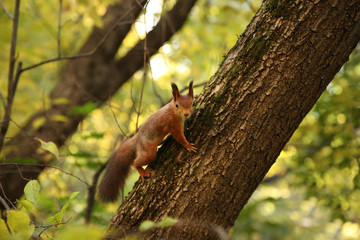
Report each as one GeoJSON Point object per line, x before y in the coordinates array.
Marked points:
{"type": "Point", "coordinates": [354, 133]}
{"type": "Point", "coordinates": [59, 28]}
{"type": "Point", "coordinates": [92, 192]}
{"type": "Point", "coordinates": [144, 71]}
{"type": "Point", "coordinates": [18, 168]}
{"type": "Point", "coordinates": [16, 80]}
{"type": "Point", "coordinates": [132, 97]}
{"type": "Point", "coordinates": [88, 54]}
{"type": "Point", "coordinates": [117, 123]}
{"type": "Point", "coordinates": [48, 166]}
{"type": "Point", "coordinates": [161, 100]}
{"type": "Point", "coordinates": [4, 203]}
{"type": "Point", "coordinates": [5, 197]}
{"type": "Point", "coordinates": [141, 96]}
{"type": "Point", "coordinates": [3, 101]}
{"type": "Point", "coordinates": [68, 173]}
{"type": "Point", "coordinates": [11, 82]}
{"type": "Point", "coordinates": [195, 86]}
{"type": "Point", "coordinates": [6, 11]}
{"type": "Point", "coordinates": [53, 225]}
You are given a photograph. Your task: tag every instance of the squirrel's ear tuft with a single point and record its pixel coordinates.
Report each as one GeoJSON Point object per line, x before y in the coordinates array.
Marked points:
{"type": "Point", "coordinates": [191, 91]}
{"type": "Point", "coordinates": [175, 91]}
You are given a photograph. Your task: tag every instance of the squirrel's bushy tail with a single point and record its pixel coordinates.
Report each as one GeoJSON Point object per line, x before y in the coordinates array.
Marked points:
{"type": "Point", "coordinates": [116, 172]}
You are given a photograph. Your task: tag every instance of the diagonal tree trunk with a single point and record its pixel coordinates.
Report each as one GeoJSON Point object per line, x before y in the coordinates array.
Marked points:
{"type": "Point", "coordinates": [245, 115]}
{"type": "Point", "coordinates": [90, 79]}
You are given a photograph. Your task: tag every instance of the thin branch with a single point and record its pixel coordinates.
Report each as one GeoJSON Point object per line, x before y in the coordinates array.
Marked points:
{"type": "Point", "coordinates": [92, 192]}
{"type": "Point", "coordinates": [17, 77]}
{"type": "Point", "coordinates": [59, 28]}
{"type": "Point", "coordinates": [88, 54]}
{"type": "Point", "coordinates": [70, 174]}
{"type": "Point", "coordinates": [194, 86]}
{"type": "Point", "coordinates": [3, 101]}
{"type": "Point", "coordinates": [144, 71]}
{"type": "Point", "coordinates": [11, 83]}
{"type": "Point", "coordinates": [6, 11]}
{"type": "Point", "coordinates": [4, 203]}
{"type": "Point", "coordinates": [142, 91]}
{"type": "Point", "coordinates": [4, 195]}
{"type": "Point", "coordinates": [355, 134]}
{"type": "Point", "coordinates": [161, 100]}
{"type": "Point", "coordinates": [18, 168]}
{"type": "Point", "coordinates": [117, 123]}
{"type": "Point", "coordinates": [47, 166]}
{"type": "Point", "coordinates": [53, 225]}
{"type": "Point", "coordinates": [132, 97]}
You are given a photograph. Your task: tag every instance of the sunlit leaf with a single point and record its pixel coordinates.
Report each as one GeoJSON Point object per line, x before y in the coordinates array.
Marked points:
{"type": "Point", "coordinates": [84, 109]}
{"type": "Point", "coordinates": [4, 233]}
{"type": "Point", "coordinates": [167, 222]}
{"type": "Point", "coordinates": [94, 135]}
{"type": "Point", "coordinates": [31, 190]}
{"type": "Point", "coordinates": [25, 204]}
{"type": "Point", "coordinates": [57, 218]}
{"type": "Point", "coordinates": [146, 225]}
{"type": "Point", "coordinates": [19, 223]}
{"type": "Point", "coordinates": [50, 147]}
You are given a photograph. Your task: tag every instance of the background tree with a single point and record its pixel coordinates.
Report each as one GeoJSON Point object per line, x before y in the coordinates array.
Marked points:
{"type": "Point", "coordinates": [319, 163]}
{"type": "Point", "coordinates": [87, 81]}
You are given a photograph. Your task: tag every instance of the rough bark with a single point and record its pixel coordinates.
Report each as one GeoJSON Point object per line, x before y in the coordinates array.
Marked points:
{"type": "Point", "coordinates": [245, 115]}
{"type": "Point", "coordinates": [95, 78]}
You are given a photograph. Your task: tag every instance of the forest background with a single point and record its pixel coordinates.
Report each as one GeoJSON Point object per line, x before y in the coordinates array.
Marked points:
{"type": "Point", "coordinates": [311, 192]}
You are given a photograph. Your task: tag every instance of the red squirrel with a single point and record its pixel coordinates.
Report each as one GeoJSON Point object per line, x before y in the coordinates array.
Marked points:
{"type": "Point", "coordinates": [141, 149]}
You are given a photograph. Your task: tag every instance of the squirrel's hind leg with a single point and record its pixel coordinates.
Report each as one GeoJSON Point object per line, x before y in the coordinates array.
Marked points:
{"type": "Point", "coordinates": [145, 154]}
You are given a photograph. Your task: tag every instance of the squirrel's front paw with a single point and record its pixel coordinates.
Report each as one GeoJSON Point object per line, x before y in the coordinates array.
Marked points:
{"type": "Point", "coordinates": [146, 173]}
{"type": "Point", "coordinates": [191, 147]}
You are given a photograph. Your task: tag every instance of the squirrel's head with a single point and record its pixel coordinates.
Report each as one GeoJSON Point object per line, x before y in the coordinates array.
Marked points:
{"type": "Point", "coordinates": [184, 104]}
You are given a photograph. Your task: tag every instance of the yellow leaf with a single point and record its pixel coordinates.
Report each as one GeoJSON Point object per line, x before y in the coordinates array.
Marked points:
{"type": "Point", "coordinates": [4, 233]}
{"type": "Point", "coordinates": [19, 224]}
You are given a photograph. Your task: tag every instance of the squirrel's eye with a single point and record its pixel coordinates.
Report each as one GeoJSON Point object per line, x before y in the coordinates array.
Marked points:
{"type": "Point", "coordinates": [176, 105]}
{"type": "Point", "coordinates": [193, 104]}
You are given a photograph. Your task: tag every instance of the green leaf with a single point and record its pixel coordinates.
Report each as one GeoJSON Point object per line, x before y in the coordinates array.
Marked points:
{"type": "Point", "coordinates": [25, 204]}
{"type": "Point", "coordinates": [50, 147]}
{"type": "Point", "coordinates": [94, 135]}
{"type": "Point", "coordinates": [146, 225]}
{"type": "Point", "coordinates": [167, 222]}
{"type": "Point", "coordinates": [58, 217]}
{"type": "Point", "coordinates": [72, 196]}
{"type": "Point", "coordinates": [19, 223]}
{"type": "Point", "coordinates": [84, 109]}
{"type": "Point", "coordinates": [32, 190]}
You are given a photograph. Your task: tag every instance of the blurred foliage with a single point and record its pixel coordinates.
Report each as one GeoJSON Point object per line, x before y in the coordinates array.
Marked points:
{"type": "Point", "coordinates": [311, 192]}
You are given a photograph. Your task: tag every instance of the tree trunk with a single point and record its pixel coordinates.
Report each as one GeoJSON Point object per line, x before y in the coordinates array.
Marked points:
{"type": "Point", "coordinates": [245, 115]}
{"type": "Point", "coordinates": [90, 79]}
